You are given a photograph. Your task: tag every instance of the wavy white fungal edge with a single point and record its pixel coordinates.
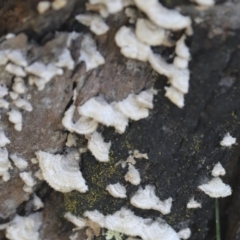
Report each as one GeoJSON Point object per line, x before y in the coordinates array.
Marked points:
{"type": "Point", "coordinates": [218, 170]}
{"type": "Point", "coordinates": [228, 140]}
{"type": "Point", "coordinates": [5, 164]}
{"type": "Point", "coordinates": [26, 228]}
{"type": "Point", "coordinates": [62, 172]}
{"type": "Point", "coordinates": [185, 233]}
{"type": "Point", "coordinates": [193, 204]}
{"type": "Point", "coordinates": [133, 175]}
{"type": "Point", "coordinates": [19, 162]}
{"type": "Point", "coordinates": [117, 190]}
{"type": "Point", "coordinates": [124, 221]}
{"type": "Point", "coordinates": [3, 139]}
{"type": "Point", "coordinates": [98, 147]}
{"type": "Point", "coordinates": [215, 188]}
{"type": "Point", "coordinates": [147, 199]}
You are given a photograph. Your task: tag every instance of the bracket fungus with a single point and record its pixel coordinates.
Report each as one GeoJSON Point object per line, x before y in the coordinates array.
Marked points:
{"type": "Point", "coordinates": [62, 172]}
{"type": "Point", "coordinates": [228, 140]}
{"type": "Point", "coordinates": [19, 162]}
{"type": "Point", "coordinates": [3, 139]}
{"type": "Point", "coordinates": [15, 70]}
{"type": "Point", "coordinates": [15, 117]}
{"type": "Point", "coordinates": [218, 170]}
{"type": "Point", "coordinates": [133, 175]}
{"type": "Point", "coordinates": [117, 190]}
{"type": "Point", "coordinates": [215, 188]}
{"type": "Point", "coordinates": [28, 180]}
{"type": "Point", "coordinates": [124, 221]}
{"type": "Point", "coordinates": [147, 199]}
{"type": "Point", "coordinates": [185, 233]}
{"type": "Point", "coordinates": [98, 147]}
{"type": "Point", "coordinates": [5, 164]}
{"type": "Point", "coordinates": [43, 6]}
{"type": "Point", "coordinates": [111, 6]}
{"type": "Point", "coordinates": [192, 203]}
{"type": "Point", "coordinates": [17, 57]}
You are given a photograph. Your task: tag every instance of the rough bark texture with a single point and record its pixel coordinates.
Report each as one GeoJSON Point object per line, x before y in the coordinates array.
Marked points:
{"type": "Point", "coordinates": [182, 144]}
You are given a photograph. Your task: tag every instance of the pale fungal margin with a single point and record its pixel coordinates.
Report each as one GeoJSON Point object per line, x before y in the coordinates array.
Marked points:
{"type": "Point", "coordinates": [26, 228]}
{"type": "Point", "coordinates": [216, 188]}
{"type": "Point", "coordinates": [147, 199]}
{"type": "Point", "coordinates": [19, 162]}
{"type": "Point", "coordinates": [228, 140]}
{"type": "Point", "coordinates": [218, 170]}
{"type": "Point", "coordinates": [98, 147]}
{"type": "Point", "coordinates": [15, 117]}
{"type": "Point", "coordinates": [28, 180]}
{"type": "Point", "coordinates": [117, 190]}
{"type": "Point", "coordinates": [193, 203]}
{"type": "Point", "coordinates": [43, 6]}
{"type": "Point", "coordinates": [62, 172]}
{"type": "Point", "coordinates": [185, 233]}
{"type": "Point", "coordinates": [5, 164]}
{"type": "Point", "coordinates": [37, 202]}
{"type": "Point", "coordinates": [133, 175]}
{"type": "Point", "coordinates": [3, 139]}
{"type": "Point", "coordinates": [124, 221]}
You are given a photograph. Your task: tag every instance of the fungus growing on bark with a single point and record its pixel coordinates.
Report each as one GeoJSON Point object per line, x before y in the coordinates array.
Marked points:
{"type": "Point", "coordinates": [111, 6]}
{"type": "Point", "coordinates": [17, 57]}
{"type": "Point", "coordinates": [228, 140]}
{"type": "Point", "coordinates": [62, 172]}
{"type": "Point", "coordinates": [43, 6]}
{"type": "Point", "coordinates": [215, 188]}
{"type": "Point", "coordinates": [133, 175]}
{"type": "Point", "coordinates": [3, 90]}
{"type": "Point", "coordinates": [98, 147]}
{"type": "Point", "coordinates": [3, 139]}
{"type": "Point", "coordinates": [19, 85]}
{"type": "Point", "coordinates": [124, 221]}
{"type": "Point", "coordinates": [65, 60]}
{"type": "Point", "coordinates": [15, 117]}
{"type": "Point", "coordinates": [37, 202]}
{"type": "Point", "coordinates": [218, 170]}
{"type": "Point", "coordinates": [19, 162]}
{"type": "Point", "coordinates": [4, 104]}
{"type": "Point", "coordinates": [193, 204]}
{"type": "Point", "coordinates": [117, 190]}
{"type": "Point", "coordinates": [23, 104]}
{"type": "Point", "coordinates": [185, 233]}
{"type": "Point", "coordinates": [15, 70]}
{"type": "Point", "coordinates": [147, 199]}
{"type": "Point", "coordinates": [28, 180]}
{"type": "Point", "coordinates": [5, 164]}
{"type": "Point", "coordinates": [175, 96]}
{"type": "Point", "coordinates": [95, 22]}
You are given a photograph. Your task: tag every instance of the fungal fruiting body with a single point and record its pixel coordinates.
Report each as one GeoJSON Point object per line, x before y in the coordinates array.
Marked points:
{"type": "Point", "coordinates": [147, 199]}
{"type": "Point", "coordinates": [124, 221]}
{"type": "Point", "coordinates": [117, 190]}
{"type": "Point", "coordinates": [16, 118]}
{"type": "Point", "coordinates": [3, 139]}
{"type": "Point", "coordinates": [215, 188]}
{"type": "Point", "coordinates": [65, 60]}
{"type": "Point", "coordinates": [184, 233]}
{"type": "Point", "coordinates": [26, 228]}
{"type": "Point", "coordinates": [28, 180]}
{"type": "Point", "coordinates": [62, 172]}
{"type": "Point", "coordinates": [218, 170]}
{"type": "Point", "coordinates": [17, 57]}
{"type": "Point", "coordinates": [5, 164]}
{"type": "Point", "coordinates": [98, 147]}
{"type": "Point", "coordinates": [77, 221]}
{"type": "Point", "coordinates": [37, 202]}
{"type": "Point", "coordinates": [193, 204]}
{"type": "Point", "coordinates": [19, 85]}
{"type": "Point", "coordinates": [19, 162]}
{"type": "Point", "coordinates": [43, 6]}
{"type": "Point", "coordinates": [133, 175]}
{"type": "Point", "coordinates": [228, 140]}
{"type": "Point", "coordinates": [111, 6]}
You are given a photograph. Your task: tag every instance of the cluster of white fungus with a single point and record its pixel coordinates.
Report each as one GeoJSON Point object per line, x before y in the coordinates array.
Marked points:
{"type": "Point", "coordinates": [228, 140]}
{"type": "Point", "coordinates": [117, 190]}
{"type": "Point", "coordinates": [5, 164]}
{"type": "Point", "coordinates": [215, 188]}
{"type": "Point", "coordinates": [193, 204]}
{"type": "Point", "coordinates": [44, 6]}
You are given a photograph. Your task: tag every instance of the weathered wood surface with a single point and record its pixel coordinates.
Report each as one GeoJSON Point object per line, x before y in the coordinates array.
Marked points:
{"type": "Point", "coordinates": [182, 144]}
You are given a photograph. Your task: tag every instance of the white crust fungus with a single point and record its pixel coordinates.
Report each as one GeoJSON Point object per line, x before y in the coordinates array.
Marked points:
{"type": "Point", "coordinates": [13, 95]}
{"type": "Point", "coordinates": [28, 180]}
{"type": "Point", "coordinates": [62, 172]}
{"type": "Point", "coordinates": [98, 147]}
{"type": "Point", "coordinates": [15, 70]}
{"type": "Point", "coordinates": [117, 190]}
{"type": "Point", "coordinates": [77, 221]}
{"type": "Point", "coordinates": [84, 125]}
{"type": "Point", "coordinates": [4, 104]}
{"type": "Point", "coordinates": [216, 188]}
{"type": "Point", "coordinates": [163, 17]}
{"type": "Point", "coordinates": [149, 33]}
{"type": "Point", "coordinates": [23, 104]}
{"type": "Point", "coordinates": [181, 49]}
{"type": "Point", "coordinates": [218, 170]}
{"type": "Point", "coordinates": [37, 202]}
{"type": "Point", "coordinates": [89, 53]}
{"type": "Point", "coordinates": [19, 162]}
{"type": "Point", "coordinates": [98, 109]}
{"type": "Point", "coordinates": [3, 90]}
{"type": "Point", "coordinates": [25, 227]}
{"type": "Point", "coordinates": [17, 57]}
{"type": "Point", "coordinates": [133, 175]}
{"type": "Point", "coordinates": [5, 164]}
{"type": "Point", "coordinates": [59, 4]}
{"type": "Point", "coordinates": [185, 233]}
{"type": "Point", "coordinates": [19, 85]}
{"type": "Point", "coordinates": [193, 204]}
{"type": "Point", "coordinates": [175, 96]}
{"type": "Point", "coordinates": [130, 46]}
{"type": "Point", "coordinates": [95, 22]}
{"type": "Point", "coordinates": [113, 6]}
{"type": "Point", "coordinates": [228, 140]}
{"type": "Point", "coordinates": [65, 60]}
{"type": "Point", "coordinates": [15, 117]}
{"type": "Point", "coordinates": [124, 221]}
{"type": "Point", "coordinates": [3, 139]}
{"type": "Point", "coordinates": [43, 6]}
{"type": "Point", "coordinates": [137, 154]}
{"type": "Point", "coordinates": [147, 199]}
{"type": "Point", "coordinates": [71, 140]}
